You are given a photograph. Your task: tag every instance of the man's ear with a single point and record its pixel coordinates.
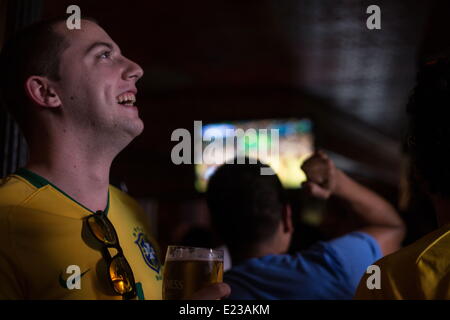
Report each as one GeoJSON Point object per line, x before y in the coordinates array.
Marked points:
{"type": "Point", "coordinates": [288, 226]}
{"type": "Point", "coordinates": [41, 92]}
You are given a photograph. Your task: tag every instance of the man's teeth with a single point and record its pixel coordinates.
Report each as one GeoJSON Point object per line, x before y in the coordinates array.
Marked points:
{"type": "Point", "coordinates": [126, 98]}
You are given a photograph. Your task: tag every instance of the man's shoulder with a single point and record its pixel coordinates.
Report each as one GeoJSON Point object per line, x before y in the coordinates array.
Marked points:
{"type": "Point", "coordinates": [428, 248]}
{"type": "Point", "coordinates": [14, 190]}
{"type": "Point", "coordinates": [417, 271]}
{"type": "Point", "coordinates": [270, 264]}
{"type": "Point", "coordinates": [122, 201]}
{"type": "Point", "coordinates": [435, 255]}
{"type": "Point", "coordinates": [353, 248]}
{"type": "Point", "coordinates": [427, 259]}
{"type": "Point", "coordinates": [125, 198]}
{"type": "Point", "coordinates": [259, 270]}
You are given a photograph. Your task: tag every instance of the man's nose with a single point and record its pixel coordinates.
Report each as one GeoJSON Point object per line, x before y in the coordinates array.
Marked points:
{"type": "Point", "coordinates": [133, 71]}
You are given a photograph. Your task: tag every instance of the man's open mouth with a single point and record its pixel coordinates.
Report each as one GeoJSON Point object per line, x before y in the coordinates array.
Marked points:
{"type": "Point", "coordinates": [127, 99]}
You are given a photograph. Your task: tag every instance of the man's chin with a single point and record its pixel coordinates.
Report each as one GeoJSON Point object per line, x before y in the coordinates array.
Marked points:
{"type": "Point", "coordinates": [135, 128]}
{"type": "Point", "coordinates": [123, 132]}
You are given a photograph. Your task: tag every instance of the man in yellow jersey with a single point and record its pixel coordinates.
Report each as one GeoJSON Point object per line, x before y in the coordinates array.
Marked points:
{"type": "Point", "coordinates": [421, 270]}
{"type": "Point", "coordinates": [65, 233]}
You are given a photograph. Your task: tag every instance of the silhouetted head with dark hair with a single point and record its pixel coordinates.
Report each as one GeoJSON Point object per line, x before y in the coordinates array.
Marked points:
{"type": "Point", "coordinates": [249, 210]}
{"type": "Point", "coordinates": [429, 131]}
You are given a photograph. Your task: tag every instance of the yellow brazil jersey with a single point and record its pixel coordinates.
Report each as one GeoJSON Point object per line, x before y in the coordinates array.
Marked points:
{"type": "Point", "coordinates": [418, 271]}
{"type": "Point", "coordinates": [43, 232]}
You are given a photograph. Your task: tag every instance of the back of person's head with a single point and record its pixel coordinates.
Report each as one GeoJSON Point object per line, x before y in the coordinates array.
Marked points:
{"type": "Point", "coordinates": [429, 136]}
{"type": "Point", "coordinates": [246, 207]}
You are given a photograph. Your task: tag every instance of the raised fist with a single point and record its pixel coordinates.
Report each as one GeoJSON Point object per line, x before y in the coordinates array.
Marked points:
{"type": "Point", "coordinates": [322, 175]}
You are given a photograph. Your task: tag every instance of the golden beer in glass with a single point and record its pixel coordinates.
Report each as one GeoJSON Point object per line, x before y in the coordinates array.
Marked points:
{"type": "Point", "coordinates": [189, 269]}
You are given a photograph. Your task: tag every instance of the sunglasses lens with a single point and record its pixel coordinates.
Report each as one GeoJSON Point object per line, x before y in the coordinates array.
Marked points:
{"type": "Point", "coordinates": [102, 230]}
{"type": "Point", "coordinates": [121, 275]}
{"type": "Point", "coordinates": [120, 272]}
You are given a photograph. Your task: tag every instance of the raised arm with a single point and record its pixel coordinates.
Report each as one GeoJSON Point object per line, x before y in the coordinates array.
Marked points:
{"type": "Point", "coordinates": [378, 216]}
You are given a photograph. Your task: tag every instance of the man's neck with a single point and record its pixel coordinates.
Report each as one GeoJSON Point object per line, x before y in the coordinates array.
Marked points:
{"type": "Point", "coordinates": [83, 177]}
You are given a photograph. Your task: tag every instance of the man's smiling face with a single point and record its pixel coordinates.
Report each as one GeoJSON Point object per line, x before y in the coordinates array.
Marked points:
{"type": "Point", "coordinates": [97, 84]}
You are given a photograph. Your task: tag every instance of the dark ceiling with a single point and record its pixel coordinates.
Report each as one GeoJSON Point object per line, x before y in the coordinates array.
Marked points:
{"type": "Point", "coordinates": [223, 60]}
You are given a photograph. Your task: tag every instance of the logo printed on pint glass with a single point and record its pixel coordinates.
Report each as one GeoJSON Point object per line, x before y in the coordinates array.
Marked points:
{"type": "Point", "coordinates": [147, 250]}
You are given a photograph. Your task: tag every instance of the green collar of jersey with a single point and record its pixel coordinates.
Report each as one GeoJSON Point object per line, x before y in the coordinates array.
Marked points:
{"type": "Point", "coordinates": [39, 182]}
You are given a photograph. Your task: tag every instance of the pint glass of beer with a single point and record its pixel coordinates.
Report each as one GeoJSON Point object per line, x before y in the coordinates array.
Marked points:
{"type": "Point", "coordinates": [189, 269]}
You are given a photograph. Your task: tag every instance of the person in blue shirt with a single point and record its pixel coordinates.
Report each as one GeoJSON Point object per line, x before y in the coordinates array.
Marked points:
{"type": "Point", "coordinates": [252, 216]}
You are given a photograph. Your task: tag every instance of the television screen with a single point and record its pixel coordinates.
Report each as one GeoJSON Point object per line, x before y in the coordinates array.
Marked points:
{"type": "Point", "coordinates": [282, 144]}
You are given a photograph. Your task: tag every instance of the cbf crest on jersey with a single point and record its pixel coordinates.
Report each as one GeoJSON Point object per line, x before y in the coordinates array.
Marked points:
{"type": "Point", "coordinates": [147, 250]}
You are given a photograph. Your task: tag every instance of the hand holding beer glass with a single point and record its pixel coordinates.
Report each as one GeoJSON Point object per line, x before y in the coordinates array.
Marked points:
{"type": "Point", "coordinates": [189, 269]}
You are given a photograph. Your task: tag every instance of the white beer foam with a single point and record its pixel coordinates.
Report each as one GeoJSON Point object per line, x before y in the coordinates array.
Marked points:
{"type": "Point", "coordinates": [192, 259]}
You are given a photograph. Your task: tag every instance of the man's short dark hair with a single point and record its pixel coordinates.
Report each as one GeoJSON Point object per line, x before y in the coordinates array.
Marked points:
{"type": "Point", "coordinates": [35, 50]}
{"type": "Point", "coordinates": [429, 136]}
{"type": "Point", "coordinates": [246, 207]}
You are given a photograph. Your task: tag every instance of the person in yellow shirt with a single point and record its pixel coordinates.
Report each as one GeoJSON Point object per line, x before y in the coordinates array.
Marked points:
{"type": "Point", "coordinates": [65, 233]}
{"type": "Point", "coordinates": [421, 270]}
{"type": "Point", "coordinates": [44, 232]}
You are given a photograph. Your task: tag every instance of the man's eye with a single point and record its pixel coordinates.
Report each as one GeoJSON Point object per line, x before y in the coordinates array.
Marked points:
{"type": "Point", "coordinates": [105, 55]}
